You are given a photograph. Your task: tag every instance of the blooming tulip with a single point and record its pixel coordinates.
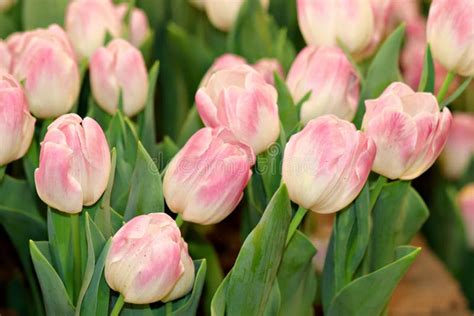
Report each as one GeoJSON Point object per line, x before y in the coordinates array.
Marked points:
{"type": "Point", "coordinates": [223, 13]}
{"type": "Point", "coordinates": [451, 34]}
{"type": "Point", "coordinates": [74, 164]}
{"type": "Point", "coordinates": [44, 61]}
{"type": "Point", "coordinates": [88, 22]}
{"type": "Point", "coordinates": [148, 261]}
{"type": "Point", "coordinates": [459, 150]}
{"type": "Point", "coordinates": [138, 28]}
{"type": "Point", "coordinates": [205, 181]}
{"type": "Point", "coordinates": [267, 67]}
{"type": "Point", "coordinates": [6, 5]}
{"type": "Point", "coordinates": [5, 57]}
{"type": "Point", "coordinates": [408, 129]}
{"type": "Point", "coordinates": [466, 203]}
{"type": "Point", "coordinates": [332, 80]}
{"type": "Point", "coordinates": [16, 123]}
{"type": "Point", "coordinates": [240, 99]}
{"type": "Point", "coordinates": [119, 68]}
{"type": "Point", "coordinates": [326, 165]}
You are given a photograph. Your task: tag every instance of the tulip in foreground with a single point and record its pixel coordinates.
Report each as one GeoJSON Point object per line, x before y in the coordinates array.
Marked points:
{"type": "Point", "coordinates": [332, 80]}
{"type": "Point", "coordinates": [240, 99]}
{"type": "Point", "coordinates": [223, 13]}
{"type": "Point", "coordinates": [148, 261]}
{"type": "Point", "coordinates": [466, 204]}
{"type": "Point", "coordinates": [205, 181]}
{"type": "Point", "coordinates": [451, 34]}
{"type": "Point", "coordinates": [326, 165]}
{"type": "Point", "coordinates": [16, 123]}
{"type": "Point", "coordinates": [74, 164]}
{"type": "Point", "coordinates": [119, 68]}
{"type": "Point", "coordinates": [409, 130]}
{"type": "Point", "coordinates": [138, 27]}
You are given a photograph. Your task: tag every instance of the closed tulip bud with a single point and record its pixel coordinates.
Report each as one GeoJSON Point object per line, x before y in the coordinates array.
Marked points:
{"type": "Point", "coordinates": [223, 62]}
{"type": "Point", "coordinates": [148, 261]}
{"type": "Point", "coordinates": [224, 13]}
{"type": "Point", "coordinates": [326, 165]}
{"type": "Point", "coordinates": [408, 129]}
{"type": "Point", "coordinates": [240, 99]}
{"type": "Point", "coordinates": [138, 28]}
{"type": "Point", "coordinates": [5, 5]}
{"type": "Point", "coordinates": [330, 77]}
{"type": "Point", "coordinates": [74, 164]}
{"type": "Point", "coordinates": [5, 57]}
{"type": "Point", "coordinates": [459, 150]}
{"type": "Point", "coordinates": [205, 181]}
{"type": "Point", "coordinates": [88, 22]}
{"type": "Point", "coordinates": [44, 62]}
{"type": "Point", "coordinates": [451, 34]}
{"type": "Point", "coordinates": [267, 67]}
{"type": "Point", "coordinates": [466, 204]}
{"type": "Point", "coordinates": [16, 123]}
{"type": "Point", "coordinates": [119, 68]}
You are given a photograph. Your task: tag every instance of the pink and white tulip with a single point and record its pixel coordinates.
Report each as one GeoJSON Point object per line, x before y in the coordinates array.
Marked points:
{"type": "Point", "coordinates": [408, 129]}
{"type": "Point", "coordinates": [16, 123]}
{"type": "Point", "coordinates": [267, 67]}
{"type": "Point", "coordinates": [138, 27]}
{"type": "Point", "coordinates": [332, 80]}
{"type": "Point", "coordinates": [459, 150]}
{"type": "Point", "coordinates": [205, 181]}
{"type": "Point", "coordinates": [44, 61]}
{"type": "Point", "coordinates": [326, 165]}
{"type": "Point", "coordinates": [5, 57]}
{"type": "Point", "coordinates": [74, 164]}
{"type": "Point", "coordinates": [240, 99]}
{"type": "Point", "coordinates": [88, 22]}
{"type": "Point", "coordinates": [451, 34]}
{"type": "Point", "coordinates": [119, 68]}
{"type": "Point", "coordinates": [148, 261]}
{"type": "Point", "coordinates": [466, 204]}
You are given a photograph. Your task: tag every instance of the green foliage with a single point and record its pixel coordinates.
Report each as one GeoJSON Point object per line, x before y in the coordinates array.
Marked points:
{"type": "Point", "coordinates": [427, 80]}
{"type": "Point", "coordinates": [43, 13]}
{"type": "Point", "coordinates": [146, 119]}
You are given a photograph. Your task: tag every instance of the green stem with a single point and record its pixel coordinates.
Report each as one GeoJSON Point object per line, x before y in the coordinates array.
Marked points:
{"type": "Point", "coordinates": [295, 222]}
{"type": "Point", "coordinates": [376, 190]}
{"type": "Point", "coordinates": [118, 306]}
{"type": "Point", "coordinates": [444, 88]}
{"type": "Point", "coordinates": [76, 245]}
{"type": "Point", "coordinates": [169, 308]}
{"type": "Point", "coordinates": [3, 169]}
{"type": "Point", "coordinates": [179, 220]}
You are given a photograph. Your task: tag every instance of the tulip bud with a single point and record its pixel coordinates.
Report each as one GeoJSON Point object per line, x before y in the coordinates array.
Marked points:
{"type": "Point", "coordinates": [74, 164]}
{"type": "Point", "coordinates": [5, 57]}
{"type": "Point", "coordinates": [119, 68]}
{"type": "Point", "coordinates": [326, 165]}
{"type": "Point", "coordinates": [459, 150]}
{"type": "Point", "coordinates": [205, 181]}
{"type": "Point", "coordinates": [138, 28]}
{"type": "Point", "coordinates": [16, 123]}
{"type": "Point", "coordinates": [148, 261]}
{"type": "Point", "coordinates": [408, 129]}
{"type": "Point", "coordinates": [466, 204]}
{"type": "Point", "coordinates": [332, 80]}
{"type": "Point", "coordinates": [267, 67]}
{"type": "Point", "coordinates": [240, 99]}
{"type": "Point", "coordinates": [44, 61]}
{"type": "Point", "coordinates": [223, 62]}
{"type": "Point", "coordinates": [451, 34]}
{"type": "Point", "coordinates": [224, 13]}
{"type": "Point", "coordinates": [88, 22]}
{"type": "Point", "coordinates": [5, 5]}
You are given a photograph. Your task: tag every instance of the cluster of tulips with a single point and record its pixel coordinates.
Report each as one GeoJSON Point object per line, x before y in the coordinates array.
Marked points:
{"type": "Point", "coordinates": [326, 157]}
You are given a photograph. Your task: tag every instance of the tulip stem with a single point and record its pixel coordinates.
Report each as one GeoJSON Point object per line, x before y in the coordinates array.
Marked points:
{"type": "Point", "coordinates": [444, 88]}
{"type": "Point", "coordinates": [295, 222]}
{"type": "Point", "coordinates": [118, 306]}
{"type": "Point", "coordinates": [377, 188]}
{"type": "Point", "coordinates": [76, 245]}
{"type": "Point", "coordinates": [179, 220]}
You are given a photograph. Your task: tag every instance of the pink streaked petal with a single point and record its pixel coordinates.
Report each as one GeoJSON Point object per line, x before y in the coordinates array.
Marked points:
{"type": "Point", "coordinates": [373, 108]}
{"type": "Point", "coordinates": [105, 86]}
{"type": "Point", "coordinates": [206, 108]}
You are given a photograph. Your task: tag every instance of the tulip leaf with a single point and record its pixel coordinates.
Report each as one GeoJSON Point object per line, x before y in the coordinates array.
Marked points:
{"type": "Point", "coordinates": [218, 304]}
{"type": "Point", "coordinates": [287, 109]}
{"type": "Point", "coordinates": [146, 119]}
{"type": "Point", "coordinates": [146, 191]}
{"type": "Point", "coordinates": [43, 13]}
{"type": "Point", "coordinates": [56, 298]}
{"type": "Point", "coordinates": [166, 150]}
{"type": "Point", "coordinates": [457, 93]}
{"type": "Point", "coordinates": [274, 301]}
{"type": "Point", "coordinates": [31, 162]}
{"type": "Point", "coordinates": [97, 113]}
{"type": "Point", "coordinates": [427, 81]}
{"type": "Point", "coordinates": [191, 125]}
{"type": "Point", "coordinates": [255, 270]}
{"type": "Point", "coordinates": [7, 26]}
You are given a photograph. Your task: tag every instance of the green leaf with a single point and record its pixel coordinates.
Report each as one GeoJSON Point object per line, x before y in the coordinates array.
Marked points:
{"type": "Point", "coordinates": [457, 93]}
{"type": "Point", "coordinates": [146, 119]}
{"type": "Point", "coordinates": [191, 125]}
{"type": "Point", "coordinates": [274, 301]}
{"type": "Point", "coordinates": [56, 299]}
{"type": "Point", "coordinates": [7, 26]}
{"type": "Point", "coordinates": [427, 80]}
{"type": "Point", "coordinates": [97, 113]}
{"type": "Point", "coordinates": [287, 109]}
{"type": "Point", "coordinates": [43, 13]}
{"type": "Point", "coordinates": [218, 304]}
{"type": "Point", "coordinates": [256, 267]}
{"type": "Point", "coordinates": [31, 162]}
{"type": "Point", "coordinates": [167, 149]}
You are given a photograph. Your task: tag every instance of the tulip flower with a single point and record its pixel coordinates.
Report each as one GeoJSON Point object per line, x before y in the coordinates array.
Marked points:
{"type": "Point", "coordinates": [240, 99]}
{"type": "Point", "coordinates": [74, 164]}
{"type": "Point", "coordinates": [45, 62]}
{"type": "Point", "coordinates": [332, 80]}
{"type": "Point", "coordinates": [224, 13]}
{"type": "Point", "coordinates": [451, 34]}
{"type": "Point", "coordinates": [326, 165]}
{"type": "Point", "coordinates": [5, 57]}
{"type": "Point", "coordinates": [88, 22]}
{"type": "Point", "coordinates": [459, 150]}
{"type": "Point", "coordinates": [138, 26]}
{"type": "Point", "coordinates": [205, 181]}
{"type": "Point", "coordinates": [16, 123]}
{"type": "Point", "coordinates": [466, 204]}
{"type": "Point", "coordinates": [5, 5]}
{"type": "Point", "coordinates": [148, 261]}
{"type": "Point", "coordinates": [408, 129]}
{"type": "Point", "coordinates": [267, 67]}
{"type": "Point", "coordinates": [119, 68]}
